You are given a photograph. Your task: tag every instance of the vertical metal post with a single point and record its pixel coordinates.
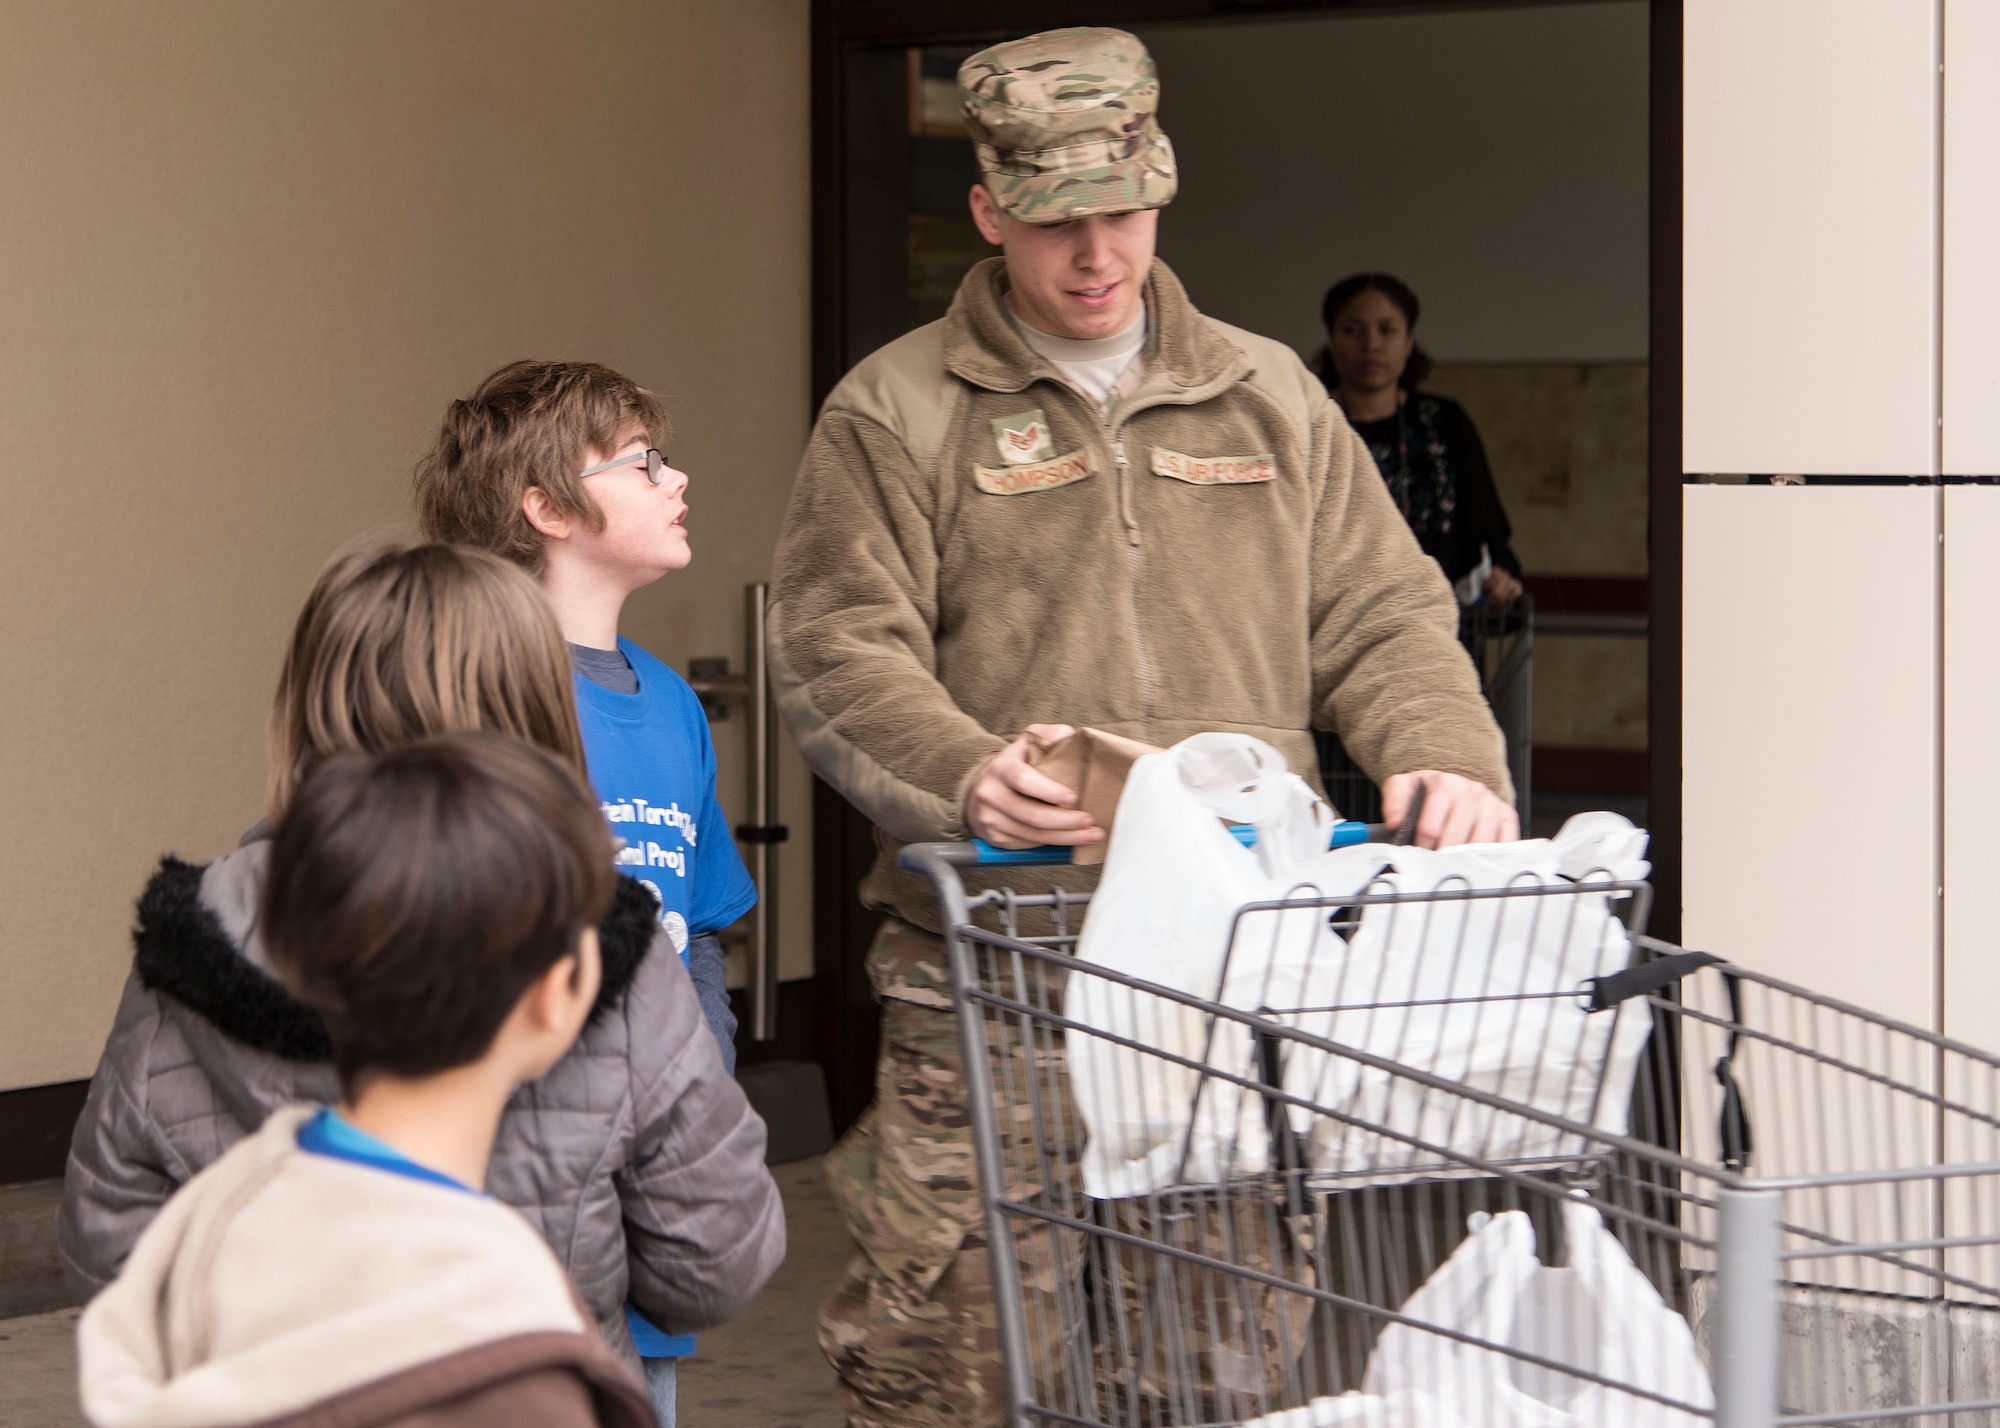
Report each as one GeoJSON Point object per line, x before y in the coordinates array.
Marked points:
{"type": "Point", "coordinates": [1002, 1253]}
{"type": "Point", "coordinates": [1746, 1309]}
{"type": "Point", "coordinates": [764, 819]}
{"type": "Point", "coordinates": [718, 689]}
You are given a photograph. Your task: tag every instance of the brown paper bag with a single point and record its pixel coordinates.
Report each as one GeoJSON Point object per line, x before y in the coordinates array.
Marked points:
{"type": "Point", "coordinates": [1091, 764]}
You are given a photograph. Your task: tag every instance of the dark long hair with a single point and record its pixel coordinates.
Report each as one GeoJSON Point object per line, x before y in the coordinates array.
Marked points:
{"type": "Point", "coordinates": [1398, 292]}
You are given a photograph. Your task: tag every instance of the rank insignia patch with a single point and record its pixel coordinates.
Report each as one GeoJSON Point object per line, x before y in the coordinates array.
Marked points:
{"type": "Point", "coordinates": [1024, 438]}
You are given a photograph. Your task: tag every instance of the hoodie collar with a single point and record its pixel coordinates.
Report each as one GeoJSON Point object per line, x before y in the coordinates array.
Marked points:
{"type": "Point", "coordinates": [1187, 360]}
{"type": "Point", "coordinates": [285, 1288]}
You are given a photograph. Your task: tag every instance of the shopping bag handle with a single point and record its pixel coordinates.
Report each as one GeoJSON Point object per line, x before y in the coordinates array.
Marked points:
{"type": "Point", "coordinates": [1733, 1116]}
{"type": "Point", "coordinates": [1345, 835]}
{"type": "Point", "coordinates": [1645, 979]}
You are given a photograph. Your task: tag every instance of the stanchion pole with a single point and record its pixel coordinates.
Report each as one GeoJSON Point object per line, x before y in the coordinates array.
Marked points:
{"type": "Point", "coordinates": [1746, 1309]}
{"type": "Point", "coordinates": [766, 832]}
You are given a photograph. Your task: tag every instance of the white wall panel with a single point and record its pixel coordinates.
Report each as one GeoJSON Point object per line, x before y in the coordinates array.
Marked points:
{"type": "Point", "coordinates": [1810, 718]}
{"type": "Point", "coordinates": [1972, 238]}
{"type": "Point", "coordinates": [1810, 236]}
{"type": "Point", "coordinates": [1972, 765]}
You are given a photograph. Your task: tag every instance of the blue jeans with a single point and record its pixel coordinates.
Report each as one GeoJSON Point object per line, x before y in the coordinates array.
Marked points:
{"type": "Point", "coordinates": [661, 1378]}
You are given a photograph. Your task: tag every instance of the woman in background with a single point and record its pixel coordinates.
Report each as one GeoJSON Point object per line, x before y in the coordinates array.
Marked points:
{"type": "Point", "coordinates": [1424, 445]}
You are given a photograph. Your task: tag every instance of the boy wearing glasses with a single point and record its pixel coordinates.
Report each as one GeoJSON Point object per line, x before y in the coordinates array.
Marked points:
{"type": "Point", "coordinates": [554, 465]}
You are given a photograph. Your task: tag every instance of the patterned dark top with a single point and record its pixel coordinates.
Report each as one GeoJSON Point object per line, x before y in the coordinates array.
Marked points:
{"type": "Point", "coordinates": [1434, 464]}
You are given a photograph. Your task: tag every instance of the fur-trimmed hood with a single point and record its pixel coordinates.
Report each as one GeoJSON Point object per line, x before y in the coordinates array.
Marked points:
{"type": "Point", "coordinates": [198, 942]}
{"type": "Point", "coordinates": [636, 1156]}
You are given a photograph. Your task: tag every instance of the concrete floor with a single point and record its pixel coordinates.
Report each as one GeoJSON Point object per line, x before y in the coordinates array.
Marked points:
{"type": "Point", "coordinates": [38, 1371]}
{"type": "Point", "coordinates": [765, 1368]}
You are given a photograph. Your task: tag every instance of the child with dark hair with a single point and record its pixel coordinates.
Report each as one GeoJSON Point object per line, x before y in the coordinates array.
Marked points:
{"type": "Point", "coordinates": [437, 905]}
{"type": "Point", "coordinates": [637, 1157]}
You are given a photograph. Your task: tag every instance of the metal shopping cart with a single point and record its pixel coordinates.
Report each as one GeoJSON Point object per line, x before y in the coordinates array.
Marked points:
{"type": "Point", "coordinates": [1501, 642]}
{"type": "Point", "coordinates": [1810, 1191]}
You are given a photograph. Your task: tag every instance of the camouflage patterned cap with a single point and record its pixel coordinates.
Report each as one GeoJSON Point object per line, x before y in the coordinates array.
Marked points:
{"type": "Point", "coordinates": [1063, 123]}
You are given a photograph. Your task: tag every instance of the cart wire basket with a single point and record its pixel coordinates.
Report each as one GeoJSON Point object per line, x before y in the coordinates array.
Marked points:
{"type": "Point", "coordinates": [1441, 1180]}
{"type": "Point", "coordinates": [1501, 643]}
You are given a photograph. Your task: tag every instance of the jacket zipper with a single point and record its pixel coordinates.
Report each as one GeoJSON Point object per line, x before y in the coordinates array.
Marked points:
{"type": "Point", "coordinates": [1132, 559]}
{"type": "Point", "coordinates": [1113, 431]}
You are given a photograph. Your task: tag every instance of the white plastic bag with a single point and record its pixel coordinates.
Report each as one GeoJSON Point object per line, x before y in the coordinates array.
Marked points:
{"type": "Point", "coordinates": [1367, 1410]}
{"type": "Point", "coordinates": [1172, 881]}
{"type": "Point", "coordinates": [1481, 992]}
{"type": "Point", "coordinates": [1173, 884]}
{"type": "Point", "coordinates": [1598, 1314]}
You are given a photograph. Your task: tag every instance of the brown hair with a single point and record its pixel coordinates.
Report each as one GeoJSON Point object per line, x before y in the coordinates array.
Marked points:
{"type": "Point", "coordinates": [414, 895]}
{"type": "Point", "coordinates": [400, 641]}
{"type": "Point", "coordinates": [529, 424]}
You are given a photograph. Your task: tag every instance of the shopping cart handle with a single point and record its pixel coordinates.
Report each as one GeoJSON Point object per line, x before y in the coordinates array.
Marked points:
{"type": "Point", "coordinates": [1345, 835]}
{"type": "Point", "coordinates": [990, 856]}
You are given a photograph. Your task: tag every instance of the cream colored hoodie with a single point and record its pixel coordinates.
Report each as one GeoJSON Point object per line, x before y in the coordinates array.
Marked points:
{"type": "Point", "coordinates": [281, 1287]}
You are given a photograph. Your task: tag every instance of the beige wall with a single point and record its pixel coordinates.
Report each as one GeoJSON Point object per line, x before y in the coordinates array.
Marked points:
{"type": "Point", "coordinates": [1568, 450]}
{"type": "Point", "coordinates": [1494, 159]}
{"type": "Point", "coordinates": [247, 253]}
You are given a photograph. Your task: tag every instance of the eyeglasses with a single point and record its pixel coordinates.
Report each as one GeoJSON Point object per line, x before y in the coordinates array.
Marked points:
{"type": "Point", "coordinates": [656, 465]}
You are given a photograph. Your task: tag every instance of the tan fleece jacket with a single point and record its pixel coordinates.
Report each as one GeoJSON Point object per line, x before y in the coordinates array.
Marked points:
{"type": "Point", "coordinates": [1217, 554]}
{"type": "Point", "coordinates": [291, 1290]}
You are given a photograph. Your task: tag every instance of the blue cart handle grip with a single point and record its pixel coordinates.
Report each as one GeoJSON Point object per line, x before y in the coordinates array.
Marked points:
{"type": "Point", "coordinates": [1345, 835]}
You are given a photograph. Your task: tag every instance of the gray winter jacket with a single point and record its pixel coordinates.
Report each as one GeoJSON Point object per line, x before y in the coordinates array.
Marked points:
{"type": "Point", "coordinates": [637, 1157]}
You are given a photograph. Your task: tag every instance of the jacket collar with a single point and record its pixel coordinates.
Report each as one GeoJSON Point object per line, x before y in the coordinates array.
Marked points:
{"type": "Point", "coordinates": [186, 951]}
{"type": "Point", "coordinates": [1187, 360]}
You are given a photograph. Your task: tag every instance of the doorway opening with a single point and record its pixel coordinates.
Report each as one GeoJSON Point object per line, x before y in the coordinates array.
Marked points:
{"type": "Point", "coordinates": [1515, 164]}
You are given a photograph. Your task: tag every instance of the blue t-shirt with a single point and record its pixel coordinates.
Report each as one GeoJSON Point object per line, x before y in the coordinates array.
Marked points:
{"type": "Point", "coordinates": [326, 1132]}
{"type": "Point", "coordinates": [653, 766]}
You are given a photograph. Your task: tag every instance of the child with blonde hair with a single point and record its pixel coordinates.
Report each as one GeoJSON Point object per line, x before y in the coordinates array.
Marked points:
{"type": "Point", "coordinates": [434, 905]}
{"type": "Point", "coordinates": [636, 1156]}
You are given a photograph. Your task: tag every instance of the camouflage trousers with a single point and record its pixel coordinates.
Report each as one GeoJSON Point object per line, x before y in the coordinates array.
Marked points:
{"type": "Point", "coordinates": [912, 1331]}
